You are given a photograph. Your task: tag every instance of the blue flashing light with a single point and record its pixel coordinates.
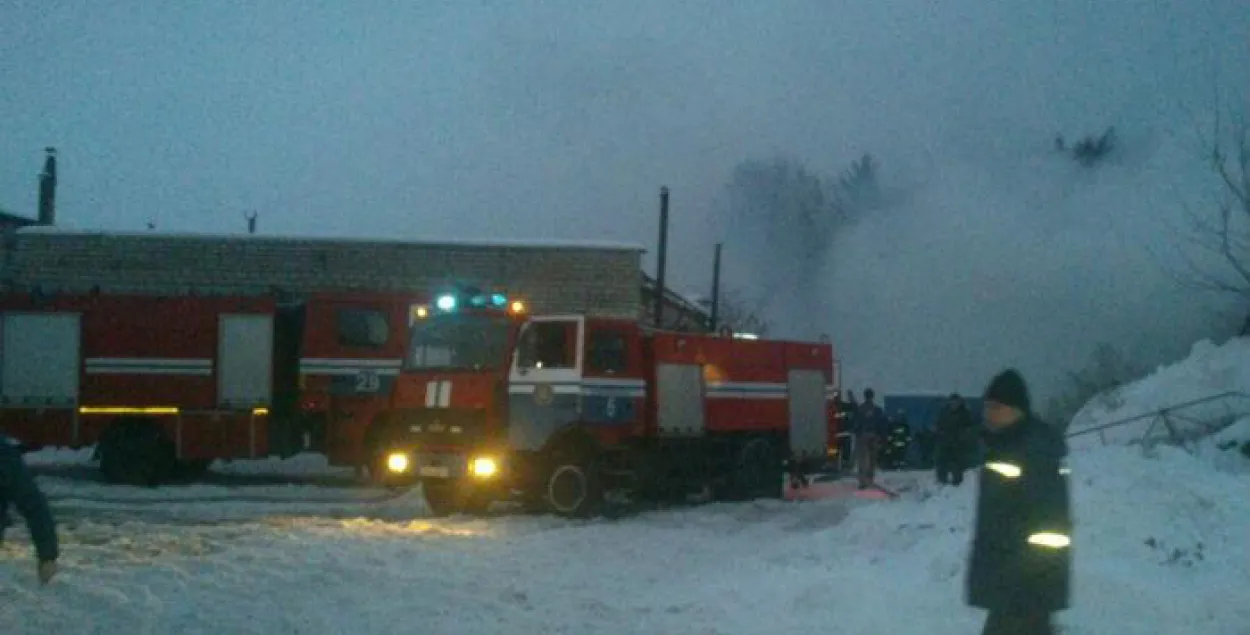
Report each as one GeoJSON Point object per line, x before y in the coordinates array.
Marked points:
{"type": "Point", "coordinates": [478, 301]}
{"type": "Point", "coordinates": [446, 303]}
{"type": "Point", "coordinates": [499, 300]}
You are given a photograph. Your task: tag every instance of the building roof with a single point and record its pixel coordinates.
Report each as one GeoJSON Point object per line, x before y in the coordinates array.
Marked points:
{"type": "Point", "coordinates": [13, 219]}
{"type": "Point", "coordinates": [429, 242]}
{"type": "Point", "coordinates": [672, 297]}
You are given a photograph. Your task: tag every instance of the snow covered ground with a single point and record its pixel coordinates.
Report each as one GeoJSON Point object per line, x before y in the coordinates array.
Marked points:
{"type": "Point", "coordinates": [1160, 547]}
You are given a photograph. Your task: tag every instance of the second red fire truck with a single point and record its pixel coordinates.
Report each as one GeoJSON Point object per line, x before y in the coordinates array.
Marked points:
{"type": "Point", "coordinates": [560, 409]}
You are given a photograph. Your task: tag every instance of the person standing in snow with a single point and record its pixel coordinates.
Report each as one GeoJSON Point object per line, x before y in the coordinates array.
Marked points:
{"type": "Point", "coordinates": [17, 486]}
{"type": "Point", "coordinates": [1020, 566]}
{"type": "Point", "coordinates": [897, 442]}
{"type": "Point", "coordinates": [869, 427]}
{"type": "Point", "coordinates": [954, 430]}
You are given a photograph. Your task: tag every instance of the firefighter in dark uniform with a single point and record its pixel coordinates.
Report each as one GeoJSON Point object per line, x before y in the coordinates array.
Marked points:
{"type": "Point", "coordinates": [955, 438]}
{"type": "Point", "coordinates": [18, 487]}
{"type": "Point", "coordinates": [897, 443]}
{"type": "Point", "coordinates": [1020, 566]}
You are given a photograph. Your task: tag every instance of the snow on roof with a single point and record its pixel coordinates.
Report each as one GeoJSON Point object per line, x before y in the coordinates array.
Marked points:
{"type": "Point", "coordinates": [432, 242]}
{"type": "Point", "coordinates": [1211, 386]}
{"type": "Point", "coordinates": [696, 298]}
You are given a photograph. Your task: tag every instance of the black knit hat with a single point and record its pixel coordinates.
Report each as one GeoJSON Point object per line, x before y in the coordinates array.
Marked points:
{"type": "Point", "coordinates": [1008, 388]}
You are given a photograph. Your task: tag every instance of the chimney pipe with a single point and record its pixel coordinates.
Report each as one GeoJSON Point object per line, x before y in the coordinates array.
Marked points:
{"type": "Point", "coordinates": [47, 189]}
{"type": "Point", "coordinates": [661, 259]}
{"type": "Point", "coordinates": [715, 313]}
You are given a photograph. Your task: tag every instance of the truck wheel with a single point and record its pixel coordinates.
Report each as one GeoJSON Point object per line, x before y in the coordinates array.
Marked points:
{"type": "Point", "coordinates": [757, 473]}
{"type": "Point", "coordinates": [573, 489]}
{"type": "Point", "coordinates": [136, 452]}
{"type": "Point", "coordinates": [193, 469]}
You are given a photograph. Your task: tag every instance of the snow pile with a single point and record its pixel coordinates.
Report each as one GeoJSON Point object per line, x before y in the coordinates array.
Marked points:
{"type": "Point", "coordinates": [51, 457]}
{"type": "Point", "coordinates": [1229, 449]}
{"type": "Point", "coordinates": [1205, 392]}
{"type": "Point", "coordinates": [304, 464]}
{"type": "Point", "coordinates": [1159, 548]}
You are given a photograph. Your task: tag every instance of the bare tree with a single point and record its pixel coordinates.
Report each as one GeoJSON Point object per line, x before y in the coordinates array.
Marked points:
{"type": "Point", "coordinates": [1224, 237]}
{"type": "Point", "coordinates": [1106, 371]}
{"type": "Point", "coordinates": [857, 189]}
{"type": "Point", "coordinates": [739, 313]}
{"type": "Point", "coordinates": [785, 209]}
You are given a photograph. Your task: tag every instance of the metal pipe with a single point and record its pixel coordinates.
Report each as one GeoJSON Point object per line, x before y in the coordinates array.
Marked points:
{"type": "Point", "coordinates": [47, 189]}
{"type": "Point", "coordinates": [661, 259]}
{"type": "Point", "coordinates": [715, 311]}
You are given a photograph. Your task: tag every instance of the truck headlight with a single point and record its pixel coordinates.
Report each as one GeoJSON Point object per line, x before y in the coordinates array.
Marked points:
{"type": "Point", "coordinates": [484, 467]}
{"type": "Point", "coordinates": [397, 462]}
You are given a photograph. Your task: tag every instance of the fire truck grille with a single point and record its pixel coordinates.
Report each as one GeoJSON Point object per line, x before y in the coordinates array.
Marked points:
{"type": "Point", "coordinates": [442, 426]}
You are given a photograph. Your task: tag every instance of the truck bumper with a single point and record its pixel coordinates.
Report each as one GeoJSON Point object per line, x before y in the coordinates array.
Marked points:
{"type": "Point", "coordinates": [479, 469]}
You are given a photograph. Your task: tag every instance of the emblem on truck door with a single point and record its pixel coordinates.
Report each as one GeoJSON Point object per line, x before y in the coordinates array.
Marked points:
{"type": "Point", "coordinates": [543, 394]}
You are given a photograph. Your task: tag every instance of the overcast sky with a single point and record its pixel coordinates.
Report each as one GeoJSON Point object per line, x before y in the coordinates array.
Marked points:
{"type": "Point", "coordinates": [562, 119]}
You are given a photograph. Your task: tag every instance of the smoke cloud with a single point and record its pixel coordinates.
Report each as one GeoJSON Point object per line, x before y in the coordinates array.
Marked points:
{"type": "Point", "coordinates": [993, 247]}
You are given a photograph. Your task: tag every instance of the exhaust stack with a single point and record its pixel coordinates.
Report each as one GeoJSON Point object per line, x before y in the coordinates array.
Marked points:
{"type": "Point", "coordinates": [47, 189]}
{"type": "Point", "coordinates": [661, 259]}
{"type": "Point", "coordinates": [714, 316]}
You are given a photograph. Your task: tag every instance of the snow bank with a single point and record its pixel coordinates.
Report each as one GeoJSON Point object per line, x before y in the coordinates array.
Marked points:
{"type": "Point", "coordinates": [1220, 375]}
{"type": "Point", "coordinates": [304, 464]}
{"type": "Point", "coordinates": [307, 464]}
{"type": "Point", "coordinates": [1159, 548]}
{"type": "Point", "coordinates": [52, 457]}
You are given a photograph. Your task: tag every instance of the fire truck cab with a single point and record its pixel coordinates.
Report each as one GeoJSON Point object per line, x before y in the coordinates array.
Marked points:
{"type": "Point", "coordinates": [558, 410]}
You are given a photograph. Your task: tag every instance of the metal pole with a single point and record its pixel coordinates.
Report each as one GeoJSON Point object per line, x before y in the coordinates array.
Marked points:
{"type": "Point", "coordinates": [715, 313]}
{"type": "Point", "coordinates": [661, 259]}
{"type": "Point", "coordinates": [47, 189]}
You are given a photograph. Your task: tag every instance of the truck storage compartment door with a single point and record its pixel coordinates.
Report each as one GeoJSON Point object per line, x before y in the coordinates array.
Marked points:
{"type": "Point", "coordinates": [244, 360]}
{"type": "Point", "coordinates": [680, 400]}
{"type": "Point", "coordinates": [40, 359]}
{"type": "Point", "coordinates": [809, 424]}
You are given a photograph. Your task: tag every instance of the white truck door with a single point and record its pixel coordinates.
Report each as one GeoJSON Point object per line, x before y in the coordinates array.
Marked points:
{"type": "Point", "coordinates": [545, 379]}
{"type": "Point", "coordinates": [244, 360]}
{"type": "Point", "coordinates": [680, 400]}
{"type": "Point", "coordinates": [809, 423]}
{"type": "Point", "coordinates": [39, 361]}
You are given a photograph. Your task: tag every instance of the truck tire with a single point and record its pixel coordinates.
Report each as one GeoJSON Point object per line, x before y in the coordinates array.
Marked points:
{"type": "Point", "coordinates": [136, 452]}
{"type": "Point", "coordinates": [573, 488]}
{"type": "Point", "coordinates": [193, 469]}
{"type": "Point", "coordinates": [757, 472]}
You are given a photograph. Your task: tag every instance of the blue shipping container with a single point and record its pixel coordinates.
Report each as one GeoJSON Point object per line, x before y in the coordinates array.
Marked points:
{"type": "Point", "coordinates": [922, 410]}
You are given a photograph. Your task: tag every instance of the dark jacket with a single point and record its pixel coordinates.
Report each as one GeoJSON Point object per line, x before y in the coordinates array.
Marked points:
{"type": "Point", "coordinates": [17, 486]}
{"type": "Point", "coordinates": [1023, 493]}
{"type": "Point", "coordinates": [954, 428]}
{"type": "Point", "coordinates": [870, 419]}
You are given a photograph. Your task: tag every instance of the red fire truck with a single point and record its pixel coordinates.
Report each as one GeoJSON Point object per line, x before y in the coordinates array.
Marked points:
{"type": "Point", "coordinates": [165, 382]}
{"type": "Point", "coordinates": [559, 409]}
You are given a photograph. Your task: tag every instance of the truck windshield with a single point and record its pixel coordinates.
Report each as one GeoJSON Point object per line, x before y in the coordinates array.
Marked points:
{"type": "Point", "coordinates": [459, 342]}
